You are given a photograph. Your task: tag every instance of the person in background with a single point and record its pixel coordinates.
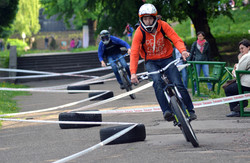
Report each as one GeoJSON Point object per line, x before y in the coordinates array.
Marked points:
{"type": "Point", "coordinates": [177, 54]}
{"type": "Point", "coordinates": [1, 45]}
{"type": "Point", "coordinates": [157, 51]}
{"type": "Point", "coordinates": [232, 89]}
{"type": "Point", "coordinates": [200, 51]}
{"type": "Point", "coordinates": [46, 42]}
{"type": "Point", "coordinates": [79, 43]}
{"type": "Point", "coordinates": [129, 31]}
{"type": "Point", "coordinates": [109, 47]}
{"type": "Point", "coordinates": [72, 43]}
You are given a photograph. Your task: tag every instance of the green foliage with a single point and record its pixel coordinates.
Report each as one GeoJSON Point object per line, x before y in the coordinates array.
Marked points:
{"type": "Point", "coordinates": [117, 14]}
{"type": "Point", "coordinates": [7, 104]}
{"type": "Point", "coordinates": [226, 40]}
{"type": "Point", "coordinates": [4, 55]}
{"type": "Point", "coordinates": [228, 27]}
{"type": "Point", "coordinates": [240, 24]}
{"type": "Point", "coordinates": [20, 45]}
{"type": "Point", "coordinates": [8, 10]}
{"type": "Point", "coordinates": [67, 9]}
{"type": "Point", "coordinates": [27, 19]}
{"type": "Point", "coordinates": [90, 48]}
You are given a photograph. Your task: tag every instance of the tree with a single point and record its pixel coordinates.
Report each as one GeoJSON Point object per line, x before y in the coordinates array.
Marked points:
{"type": "Point", "coordinates": [116, 14]}
{"type": "Point", "coordinates": [27, 19]}
{"type": "Point", "coordinates": [8, 10]}
{"type": "Point", "coordinates": [199, 12]}
{"type": "Point", "coordinates": [77, 9]}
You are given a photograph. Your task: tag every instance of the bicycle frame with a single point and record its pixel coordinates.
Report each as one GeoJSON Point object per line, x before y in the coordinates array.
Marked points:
{"type": "Point", "coordinates": [124, 75]}
{"type": "Point", "coordinates": [174, 98]}
{"type": "Point", "coordinates": [171, 89]}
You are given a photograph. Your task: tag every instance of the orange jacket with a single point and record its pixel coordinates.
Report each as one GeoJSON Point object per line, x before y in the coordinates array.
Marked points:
{"type": "Point", "coordinates": [156, 46]}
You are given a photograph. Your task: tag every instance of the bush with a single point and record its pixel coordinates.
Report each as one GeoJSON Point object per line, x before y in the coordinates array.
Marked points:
{"type": "Point", "coordinates": [20, 45]}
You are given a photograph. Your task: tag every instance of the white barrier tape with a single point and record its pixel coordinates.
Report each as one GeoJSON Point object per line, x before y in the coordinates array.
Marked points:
{"type": "Point", "coordinates": [81, 101]}
{"type": "Point", "coordinates": [54, 108]}
{"type": "Point", "coordinates": [108, 140]}
{"type": "Point", "coordinates": [222, 100]}
{"type": "Point", "coordinates": [116, 97]}
{"type": "Point", "coordinates": [48, 75]}
{"type": "Point", "coordinates": [52, 74]}
{"type": "Point", "coordinates": [50, 90]}
{"type": "Point", "coordinates": [55, 90]}
{"type": "Point", "coordinates": [197, 104]}
{"type": "Point", "coordinates": [89, 81]}
{"type": "Point", "coordinates": [118, 111]}
{"type": "Point", "coordinates": [65, 122]}
{"type": "Point", "coordinates": [57, 74]}
{"type": "Point", "coordinates": [43, 76]}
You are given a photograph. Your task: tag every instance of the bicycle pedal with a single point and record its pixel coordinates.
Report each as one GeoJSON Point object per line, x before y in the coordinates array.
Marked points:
{"type": "Point", "coordinates": [175, 123]}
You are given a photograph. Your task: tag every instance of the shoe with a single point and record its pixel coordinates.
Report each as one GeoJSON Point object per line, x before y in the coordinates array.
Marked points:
{"type": "Point", "coordinates": [122, 86]}
{"type": "Point", "coordinates": [233, 114]}
{"type": "Point", "coordinates": [193, 116]}
{"type": "Point", "coordinates": [237, 108]}
{"type": "Point", "coordinates": [168, 116]}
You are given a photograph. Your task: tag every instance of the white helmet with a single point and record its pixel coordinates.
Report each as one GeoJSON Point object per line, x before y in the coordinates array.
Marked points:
{"type": "Point", "coordinates": [105, 36]}
{"type": "Point", "coordinates": [148, 10]}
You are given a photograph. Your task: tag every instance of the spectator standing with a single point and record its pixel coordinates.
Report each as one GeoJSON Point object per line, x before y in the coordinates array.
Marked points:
{"type": "Point", "coordinates": [79, 43]}
{"type": "Point", "coordinates": [72, 43]}
{"type": "Point", "coordinates": [8, 46]}
{"type": "Point", "coordinates": [1, 45]}
{"type": "Point", "coordinates": [232, 89]}
{"type": "Point", "coordinates": [129, 31]}
{"type": "Point", "coordinates": [46, 42]}
{"type": "Point", "coordinates": [177, 54]}
{"type": "Point", "coordinates": [200, 51]}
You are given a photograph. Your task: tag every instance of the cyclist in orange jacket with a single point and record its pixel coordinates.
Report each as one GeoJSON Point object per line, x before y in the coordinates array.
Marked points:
{"type": "Point", "coordinates": [152, 42]}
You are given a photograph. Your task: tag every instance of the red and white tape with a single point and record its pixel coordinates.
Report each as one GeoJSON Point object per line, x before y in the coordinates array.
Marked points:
{"type": "Point", "coordinates": [197, 104]}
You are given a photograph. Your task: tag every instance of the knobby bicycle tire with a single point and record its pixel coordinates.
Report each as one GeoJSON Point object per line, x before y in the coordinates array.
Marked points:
{"type": "Point", "coordinates": [126, 83]}
{"type": "Point", "coordinates": [185, 124]}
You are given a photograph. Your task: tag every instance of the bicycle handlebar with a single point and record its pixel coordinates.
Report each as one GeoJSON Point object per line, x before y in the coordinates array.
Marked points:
{"type": "Point", "coordinates": [166, 67]}
{"type": "Point", "coordinates": [118, 59]}
{"type": "Point", "coordinates": [144, 77]}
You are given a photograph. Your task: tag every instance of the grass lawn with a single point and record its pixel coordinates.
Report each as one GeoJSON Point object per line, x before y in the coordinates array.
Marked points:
{"type": "Point", "coordinates": [7, 104]}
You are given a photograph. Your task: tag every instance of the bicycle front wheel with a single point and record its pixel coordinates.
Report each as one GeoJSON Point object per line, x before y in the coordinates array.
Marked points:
{"type": "Point", "coordinates": [126, 82]}
{"type": "Point", "coordinates": [186, 127]}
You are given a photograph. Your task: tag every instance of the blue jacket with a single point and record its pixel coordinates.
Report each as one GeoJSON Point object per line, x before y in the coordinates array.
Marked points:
{"type": "Point", "coordinates": [116, 41]}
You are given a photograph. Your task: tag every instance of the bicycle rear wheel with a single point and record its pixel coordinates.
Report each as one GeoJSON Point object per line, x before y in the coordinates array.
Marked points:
{"type": "Point", "coordinates": [186, 127]}
{"type": "Point", "coordinates": [126, 82]}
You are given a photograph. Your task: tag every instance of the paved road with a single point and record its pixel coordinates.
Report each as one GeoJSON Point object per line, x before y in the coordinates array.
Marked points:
{"type": "Point", "coordinates": [221, 139]}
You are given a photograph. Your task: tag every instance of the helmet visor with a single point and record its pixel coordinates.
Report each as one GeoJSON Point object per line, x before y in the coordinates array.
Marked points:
{"type": "Point", "coordinates": [105, 38]}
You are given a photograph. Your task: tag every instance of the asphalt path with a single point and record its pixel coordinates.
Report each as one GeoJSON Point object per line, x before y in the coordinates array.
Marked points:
{"type": "Point", "coordinates": [221, 139]}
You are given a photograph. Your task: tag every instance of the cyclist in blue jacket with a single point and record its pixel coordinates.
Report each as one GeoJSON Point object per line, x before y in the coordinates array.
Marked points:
{"type": "Point", "coordinates": [109, 47]}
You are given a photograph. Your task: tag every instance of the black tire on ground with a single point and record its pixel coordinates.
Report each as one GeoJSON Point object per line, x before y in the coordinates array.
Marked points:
{"type": "Point", "coordinates": [187, 129]}
{"type": "Point", "coordinates": [136, 134]}
{"type": "Point", "coordinates": [71, 116]}
{"type": "Point", "coordinates": [100, 82]}
{"type": "Point", "coordinates": [102, 97]}
{"type": "Point", "coordinates": [78, 87]}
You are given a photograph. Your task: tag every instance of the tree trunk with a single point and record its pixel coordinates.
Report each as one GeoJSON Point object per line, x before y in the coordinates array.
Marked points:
{"type": "Point", "coordinates": [91, 32]}
{"type": "Point", "coordinates": [199, 19]}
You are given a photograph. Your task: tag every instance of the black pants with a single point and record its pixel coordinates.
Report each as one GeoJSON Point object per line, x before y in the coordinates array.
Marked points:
{"type": "Point", "coordinates": [232, 90]}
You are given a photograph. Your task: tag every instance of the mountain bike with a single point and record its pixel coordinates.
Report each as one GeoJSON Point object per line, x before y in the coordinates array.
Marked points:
{"type": "Point", "coordinates": [175, 101]}
{"type": "Point", "coordinates": [124, 76]}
